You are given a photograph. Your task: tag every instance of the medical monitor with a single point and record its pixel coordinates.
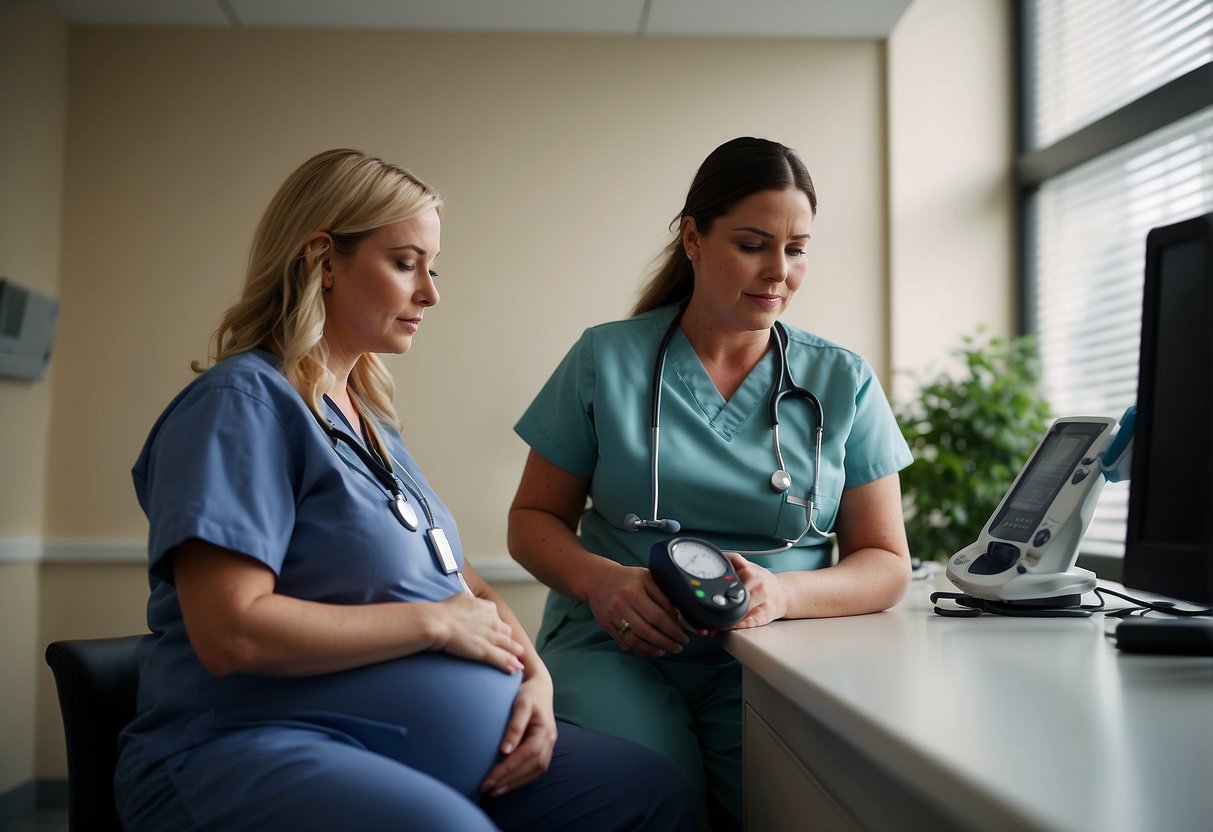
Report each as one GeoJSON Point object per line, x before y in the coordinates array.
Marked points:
{"type": "Point", "coordinates": [1169, 540]}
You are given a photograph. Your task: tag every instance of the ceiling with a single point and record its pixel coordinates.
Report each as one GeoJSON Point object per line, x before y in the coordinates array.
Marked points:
{"type": "Point", "coordinates": [866, 19]}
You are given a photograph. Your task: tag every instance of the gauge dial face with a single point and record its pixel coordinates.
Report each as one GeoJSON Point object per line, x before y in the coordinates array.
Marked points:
{"type": "Point", "coordinates": [697, 559]}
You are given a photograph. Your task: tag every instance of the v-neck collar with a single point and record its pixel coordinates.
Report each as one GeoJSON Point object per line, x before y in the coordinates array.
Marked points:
{"type": "Point", "coordinates": [724, 417]}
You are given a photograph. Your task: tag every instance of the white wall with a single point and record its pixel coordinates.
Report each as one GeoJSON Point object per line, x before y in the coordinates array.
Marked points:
{"type": "Point", "coordinates": [33, 113]}
{"type": "Point", "coordinates": [951, 153]}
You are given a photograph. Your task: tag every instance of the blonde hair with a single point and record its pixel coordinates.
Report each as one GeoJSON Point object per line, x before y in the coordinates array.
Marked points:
{"type": "Point", "coordinates": [348, 195]}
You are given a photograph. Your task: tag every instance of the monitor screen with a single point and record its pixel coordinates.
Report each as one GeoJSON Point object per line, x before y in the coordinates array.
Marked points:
{"type": "Point", "coordinates": [1038, 486]}
{"type": "Point", "coordinates": [1169, 539]}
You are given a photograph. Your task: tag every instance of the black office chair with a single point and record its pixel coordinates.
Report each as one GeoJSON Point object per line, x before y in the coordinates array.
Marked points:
{"type": "Point", "coordinates": [96, 680]}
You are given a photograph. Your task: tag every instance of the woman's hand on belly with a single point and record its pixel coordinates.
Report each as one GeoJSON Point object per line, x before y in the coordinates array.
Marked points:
{"type": "Point", "coordinates": [529, 738]}
{"type": "Point", "coordinates": [471, 628]}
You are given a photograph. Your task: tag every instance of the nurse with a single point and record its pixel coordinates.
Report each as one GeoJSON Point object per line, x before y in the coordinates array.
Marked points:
{"type": "Point", "coordinates": [621, 658]}
{"type": "Point", "coordinates": [321, 654]}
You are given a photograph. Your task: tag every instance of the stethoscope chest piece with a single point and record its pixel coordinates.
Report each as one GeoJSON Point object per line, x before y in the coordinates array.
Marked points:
{"type": "Point", "coordinates": [381, 468]}
{"type": "Point", "coordinates": [404, 512]}
{"type": "Point", "coordinates": [781, 481]}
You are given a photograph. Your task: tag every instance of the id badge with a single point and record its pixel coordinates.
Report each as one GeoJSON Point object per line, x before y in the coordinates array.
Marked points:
{"type": "Point", "coordinates": [442, 550]}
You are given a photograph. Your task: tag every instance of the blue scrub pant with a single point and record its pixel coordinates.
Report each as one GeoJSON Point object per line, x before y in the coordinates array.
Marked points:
{"type": "Point", "coordinates": [292, 778]}
{"type": "Point", "coordinates": [685, 707]}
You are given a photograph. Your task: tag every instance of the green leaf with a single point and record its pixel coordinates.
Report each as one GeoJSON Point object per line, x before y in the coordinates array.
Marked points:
{"type": "Point", "coordinates": [969, 435]}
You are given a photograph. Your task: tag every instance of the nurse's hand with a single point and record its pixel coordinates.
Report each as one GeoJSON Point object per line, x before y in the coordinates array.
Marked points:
{"type": "Point", "coordinates": [630, 607]}
{"type": "Point", "coordinates": [529, 738]}
{"type": "Point", "coordinates": [768, 599]}
{"type": "Point", "coordinates": [471, 628]}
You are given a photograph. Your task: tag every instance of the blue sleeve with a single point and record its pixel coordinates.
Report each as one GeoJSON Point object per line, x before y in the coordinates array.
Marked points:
{"type": "Point", "coordinates": [559, 424]}
{"type": "Point", "coordinates": [875, 446]}
{"type": "Point", "coordinates": [218, 468]}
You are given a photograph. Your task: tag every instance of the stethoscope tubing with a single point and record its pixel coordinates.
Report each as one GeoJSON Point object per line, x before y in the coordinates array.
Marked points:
{"type": "Point", "coordinates": [785, 386]}
{"type": "Point", "coordinates": [655, 403]}
{"type": "Point", "coordinates": [381, 469]}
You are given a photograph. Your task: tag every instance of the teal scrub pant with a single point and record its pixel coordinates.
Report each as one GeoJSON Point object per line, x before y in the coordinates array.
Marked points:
{"type": "Point", "coordinates": [687, 707]}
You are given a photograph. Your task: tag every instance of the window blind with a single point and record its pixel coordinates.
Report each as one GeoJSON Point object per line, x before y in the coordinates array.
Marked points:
{"type": "Point", "coordinates": [1091, 57]}
{"type": "Point", "coordinates": [1090, 226]}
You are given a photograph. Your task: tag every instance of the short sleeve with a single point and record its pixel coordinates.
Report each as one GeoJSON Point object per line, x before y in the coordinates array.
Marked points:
{"type": "Point", "coordinates": [875, 446]}
{"type": "Point", "coordinates": [559, 424]}
{"type": "Point", "coordinates": [217, 468]}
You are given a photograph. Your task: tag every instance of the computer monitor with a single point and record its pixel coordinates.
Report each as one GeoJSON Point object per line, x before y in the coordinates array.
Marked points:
{"type": "Point", "coordinates": [1169, 541]}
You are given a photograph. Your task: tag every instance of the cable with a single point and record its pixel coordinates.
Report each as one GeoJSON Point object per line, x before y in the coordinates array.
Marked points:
{"type": "Point", "coordinates": [973, 607]}
{"type": "Point", "coordinates": [1166, 607]}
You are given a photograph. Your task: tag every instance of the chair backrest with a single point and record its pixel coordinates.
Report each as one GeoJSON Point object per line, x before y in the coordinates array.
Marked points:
{"type": "Point", "coordinates": [97, 681]}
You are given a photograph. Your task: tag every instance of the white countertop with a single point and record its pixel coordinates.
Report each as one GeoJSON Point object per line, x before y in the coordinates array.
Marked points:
{"type": "Point", "coordinates": [1040, 719]}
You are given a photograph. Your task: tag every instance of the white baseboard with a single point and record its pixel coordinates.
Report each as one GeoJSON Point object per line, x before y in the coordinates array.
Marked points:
{"type": "Point", "coordinates": [20, 550]}
{"type": "Point", "coordinates": [94, 550]}
{"type": "Point", "coordinates": [501, 568]}
{"type": "Point", "coordinates": [31, 549]}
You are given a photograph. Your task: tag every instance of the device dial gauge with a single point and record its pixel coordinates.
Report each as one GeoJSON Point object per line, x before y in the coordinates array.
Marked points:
{"type": "Point", "coordinates": [696, 559]}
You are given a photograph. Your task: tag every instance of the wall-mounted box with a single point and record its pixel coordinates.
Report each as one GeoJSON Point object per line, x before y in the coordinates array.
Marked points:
{"type": "Point", "coordinates": [27, 330]}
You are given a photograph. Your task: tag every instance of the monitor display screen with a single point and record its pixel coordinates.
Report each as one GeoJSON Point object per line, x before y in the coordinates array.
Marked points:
{"type": "Point", "coordinates": [1049, 469]}
{"type": "Point", "coordinates": [1178, 441]}
{"type": "Point", "coordinates": [1170, 530]}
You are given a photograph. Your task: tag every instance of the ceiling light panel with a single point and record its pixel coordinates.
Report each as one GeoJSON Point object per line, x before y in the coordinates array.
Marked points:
{"type": "Point", "coordinates": [620, 17]}
{"type": "Point", "coordinates": [141, 12]}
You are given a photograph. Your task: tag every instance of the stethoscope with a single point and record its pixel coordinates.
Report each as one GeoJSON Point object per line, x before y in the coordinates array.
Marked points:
{"type": "Point", "coordinates": [381, 469]}
{"type": "Point", "coordinates": [780, 481]}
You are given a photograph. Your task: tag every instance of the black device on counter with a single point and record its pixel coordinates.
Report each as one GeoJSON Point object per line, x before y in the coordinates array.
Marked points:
{"type": "Point", "coordinates": [700, 581]}
{"type": "Point", "coordinates": [1168, 636]}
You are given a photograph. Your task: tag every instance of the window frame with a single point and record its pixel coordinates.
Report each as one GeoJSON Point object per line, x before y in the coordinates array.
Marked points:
{"type": "Point", "coordinates": [1177, 99]}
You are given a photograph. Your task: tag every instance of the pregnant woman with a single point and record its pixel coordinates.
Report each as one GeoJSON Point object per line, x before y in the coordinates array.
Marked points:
{"type": "Point", "coordinates": [321, 654]}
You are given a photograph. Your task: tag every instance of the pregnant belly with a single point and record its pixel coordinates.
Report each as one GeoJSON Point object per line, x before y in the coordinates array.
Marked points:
{"type": "Point", "coordinates": [433, 712]}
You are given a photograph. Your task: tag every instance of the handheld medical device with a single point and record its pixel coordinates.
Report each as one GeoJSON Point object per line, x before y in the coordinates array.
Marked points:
{"type": "Point", "coordinates": [700, 581]}
{"type": "Point", "coordinates": [781, 480]}
{"type": "Point", "coordinates": [1025, 554]}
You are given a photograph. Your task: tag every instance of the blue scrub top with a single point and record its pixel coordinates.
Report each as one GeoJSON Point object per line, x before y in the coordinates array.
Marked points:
{"type": "Point", "coordinates": [238, 460]}
{"type": "Point", "coordinates": [593, 418]}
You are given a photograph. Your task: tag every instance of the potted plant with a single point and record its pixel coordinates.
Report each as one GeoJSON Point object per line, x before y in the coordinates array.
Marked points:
{"type": "Point", "coordinates": [970, 433]}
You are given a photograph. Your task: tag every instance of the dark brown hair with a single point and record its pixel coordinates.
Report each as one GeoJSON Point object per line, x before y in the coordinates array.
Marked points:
{"type": "Point", "coordinates": [735, 170]}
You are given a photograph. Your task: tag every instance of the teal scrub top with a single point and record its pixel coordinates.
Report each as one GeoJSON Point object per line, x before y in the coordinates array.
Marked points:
{"type": "Point", "coordinates": [593, 418]}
